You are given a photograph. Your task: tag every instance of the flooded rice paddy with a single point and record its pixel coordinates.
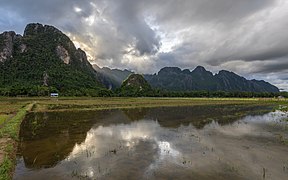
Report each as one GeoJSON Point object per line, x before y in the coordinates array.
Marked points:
{"type": "Point", "coordinates": [201, 142]}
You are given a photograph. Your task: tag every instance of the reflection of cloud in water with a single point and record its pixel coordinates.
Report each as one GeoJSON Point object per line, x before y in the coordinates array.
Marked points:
{"type": "Point", "coordinates": [276, 116]}
{"type": "Point", "coordinates": [101, 141]}
{"type": "Point", "coordinates": [249, 125]}
{"type": "Point", "coordinates": [101, 138]}
{"type": "Point", "coordinates": [166, 149]}
{"type": "Point", "coordinates": [165, 153]}
{"type": "Point", "coordinates": [115, 147]}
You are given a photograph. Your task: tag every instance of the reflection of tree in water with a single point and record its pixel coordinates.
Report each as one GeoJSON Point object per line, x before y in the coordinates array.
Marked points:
{"type": "Point", "coordinates": [136, 113]}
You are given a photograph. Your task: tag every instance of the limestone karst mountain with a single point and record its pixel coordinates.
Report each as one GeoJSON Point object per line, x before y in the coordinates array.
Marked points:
{"type": "Point", "coordinates": [45, 57]}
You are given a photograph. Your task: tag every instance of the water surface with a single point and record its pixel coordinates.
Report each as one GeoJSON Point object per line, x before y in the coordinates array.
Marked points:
{"type": "Point", "coordinates": [201, 142]}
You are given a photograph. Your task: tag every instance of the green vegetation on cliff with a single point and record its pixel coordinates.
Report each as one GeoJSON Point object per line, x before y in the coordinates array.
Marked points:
{"type": "Point", "coordinates": [135, 85]}
{"type": "Point", "coordinates": [45, 60]}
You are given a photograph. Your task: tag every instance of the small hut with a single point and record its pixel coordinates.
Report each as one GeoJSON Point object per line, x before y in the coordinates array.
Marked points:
{"type": "Point", "coordinates": [281, 97]}
{"type": "Point", "coordinates": [54, 95]}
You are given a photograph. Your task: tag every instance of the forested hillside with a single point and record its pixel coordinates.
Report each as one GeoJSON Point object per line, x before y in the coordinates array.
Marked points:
{"type": "Point", "coordinates": [44, 60]}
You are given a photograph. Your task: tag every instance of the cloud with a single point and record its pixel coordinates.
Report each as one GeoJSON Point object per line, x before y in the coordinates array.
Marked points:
{"type": "Point", "coordinates": [247, 36]}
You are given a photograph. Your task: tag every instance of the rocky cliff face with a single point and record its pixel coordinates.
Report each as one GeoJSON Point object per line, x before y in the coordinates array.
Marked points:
{"type": "Point", "coordinates": [173, 78]}
{"type": "Point", "coordinates": [6, 45]}
{"type": "Point", "coordinates": [44, 55]}
{"type": "Point", "coordinates": [63, 54]}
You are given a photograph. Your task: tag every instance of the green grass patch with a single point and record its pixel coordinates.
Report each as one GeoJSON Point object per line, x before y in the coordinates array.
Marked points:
{"type": "Point", "coordinates": [8, 162]}
{"type": "Point", "coordinates": [5, 168]}
{"type": "Point", "coordinates": [11, 128]}
{"type": "Point", "coordinates": [3, 118]}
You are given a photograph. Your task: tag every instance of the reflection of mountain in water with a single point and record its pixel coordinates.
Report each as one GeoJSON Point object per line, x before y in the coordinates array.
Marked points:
{"type": "Point", "coordinates": [136, 114]}
{"type": "Point", "coordinates": [198, 116]}
{"type": "Point", "coordinates": [119, 148]}
{"type": "Point", "coordinates": [58, 132]}
{"type": "Point", "coordinates": [47, 138]}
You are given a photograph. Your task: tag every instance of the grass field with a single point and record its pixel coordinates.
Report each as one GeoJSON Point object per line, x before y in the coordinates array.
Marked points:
{"type": "Point", "coordinates": [10, 105]}
{"type": "Point", "coordinates": [13, 111]}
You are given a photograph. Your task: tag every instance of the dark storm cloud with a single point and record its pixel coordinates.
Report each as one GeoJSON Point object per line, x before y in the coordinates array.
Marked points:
{"type": "Point", "coordinates": [131, 22]}
{"type": "Point", "coordinates": [247, 36]}
{"type": "Point", "coordinates": [206, 11]}
{"type": "Point", "coordinates": [56, 12]}
{"type": "Point", "coordinates": [122, 16]}
{"type": "Point", "coordinates": [279, 66]}
{"type": "Point", "coordinates": [278, 52]}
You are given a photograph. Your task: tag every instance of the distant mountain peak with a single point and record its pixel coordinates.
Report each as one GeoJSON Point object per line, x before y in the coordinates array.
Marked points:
{"type": "Point", "coordinates": [186, 71]}
{"type": "Point", "coordinates": [225, 72]}
{"type": "Point", "coordinates": [37, 28]}
{"type": "Point", "coordinates": [136, 82]}
{"type": "Point", "coordinates": [199, 69]}
{"type": "Point", "coordinates": [170, 70]}
{"type": "Point", "coordinates": [201, 73]}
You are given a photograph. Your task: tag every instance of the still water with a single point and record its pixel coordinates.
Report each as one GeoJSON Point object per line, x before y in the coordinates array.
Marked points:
{"type": "Point", "coordinates": [201, 142]}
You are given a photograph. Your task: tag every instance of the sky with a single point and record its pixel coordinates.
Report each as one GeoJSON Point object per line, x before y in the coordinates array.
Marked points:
{"type": "Point", "coordinates": [248, 37]}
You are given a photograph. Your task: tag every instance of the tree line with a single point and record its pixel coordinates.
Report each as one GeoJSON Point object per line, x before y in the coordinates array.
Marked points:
{"type": "Point", "coordinates": [35, 90]}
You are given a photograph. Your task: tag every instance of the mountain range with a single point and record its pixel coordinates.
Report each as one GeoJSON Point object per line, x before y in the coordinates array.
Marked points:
{"type": "Point", "coordinates": [173, 78]}
{"type": "Point", "coordinates": [46, 57]}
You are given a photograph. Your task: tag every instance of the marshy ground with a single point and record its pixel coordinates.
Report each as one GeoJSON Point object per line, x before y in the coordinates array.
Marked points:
{"type": "Point", "coordinates": [103, 137]}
